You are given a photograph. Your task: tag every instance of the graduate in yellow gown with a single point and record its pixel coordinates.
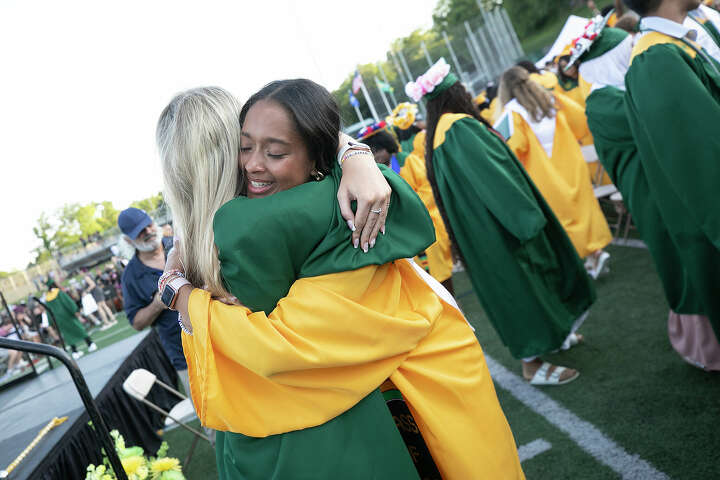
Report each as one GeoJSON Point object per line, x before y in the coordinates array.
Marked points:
{"type": "Point", "coordinates": [438, 256]}
{"type": "Point", "coordinates": [543, 131]}
{"type": "Point", "coordinates": [322, 324]}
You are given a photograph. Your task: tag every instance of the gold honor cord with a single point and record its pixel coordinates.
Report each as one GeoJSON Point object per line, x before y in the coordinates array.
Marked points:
{"type": "Point", "coordinates": [53, 423]}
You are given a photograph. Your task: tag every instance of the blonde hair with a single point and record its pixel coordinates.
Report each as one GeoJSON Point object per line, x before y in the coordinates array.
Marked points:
{"type": "Point", "coordinates": [198, 137]}
{"type": "Point", "coordinates": [516, 83]}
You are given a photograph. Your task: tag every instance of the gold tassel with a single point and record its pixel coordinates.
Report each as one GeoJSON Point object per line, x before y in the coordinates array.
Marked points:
{"type": "Point", "coordinates": [53, 423]}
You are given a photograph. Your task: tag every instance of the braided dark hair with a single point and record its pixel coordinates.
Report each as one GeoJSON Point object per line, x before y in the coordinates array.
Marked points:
{"type": "Point", "coordinates": [453, 100]}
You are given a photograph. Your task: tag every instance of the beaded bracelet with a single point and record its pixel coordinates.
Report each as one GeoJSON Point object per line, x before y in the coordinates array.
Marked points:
{"type": "Point", "coordinates": [182, 327]}
{"type": "Point", "coordinates": [351, 146]}
{"type": "Point", "coordinates": [165, 278]}
{"type": "Point", "coordinates": [355, 152]}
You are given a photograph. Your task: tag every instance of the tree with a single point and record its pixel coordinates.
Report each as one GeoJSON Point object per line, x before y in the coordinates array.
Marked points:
{"type": "Point", "coordinates": [108, 215]}
{"type": "Point", "coordinates": [149, 204]}
{"type": "Point", "coordinates": [449, 13]}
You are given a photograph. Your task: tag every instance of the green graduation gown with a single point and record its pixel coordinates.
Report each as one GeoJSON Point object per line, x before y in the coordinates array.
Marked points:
{"type": "Point", "coordinates": [605, 110]}
{"type": "Point", "coordinates": [673, 105]}
{"type": "Point", "coordinates": [63, 308]}
{"type": "Point", "coordinates": [264, 245]}
{"type": "Point", "coordinates": [523, 267]}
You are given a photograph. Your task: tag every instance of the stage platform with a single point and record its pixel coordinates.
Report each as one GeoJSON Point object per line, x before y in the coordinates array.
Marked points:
{"type": "Point", "coordinates": [64, 453]}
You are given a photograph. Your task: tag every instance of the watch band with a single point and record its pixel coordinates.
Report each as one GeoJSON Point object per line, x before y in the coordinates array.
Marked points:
{"type": "Point", "coordinates": [172, 287]}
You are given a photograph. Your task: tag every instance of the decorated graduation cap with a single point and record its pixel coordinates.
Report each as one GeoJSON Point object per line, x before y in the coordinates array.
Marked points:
{"type": "Point", "coordinates": [596, 41]}
{"type": "Point", "coordinates": [403, 116]}
{"type": "Point", "coordinates": [372, 129]}
{"type": "Point", "coordinates": [432, 83]}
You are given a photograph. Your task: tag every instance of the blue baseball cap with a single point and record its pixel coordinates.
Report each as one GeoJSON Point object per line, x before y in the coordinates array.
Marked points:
{"type": "Point", "coordinates": [132, 221]}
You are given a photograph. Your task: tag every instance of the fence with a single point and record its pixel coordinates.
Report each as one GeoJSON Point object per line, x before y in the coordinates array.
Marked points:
{"type": "Point", "coordinates": [478, 50]}
{"type": "Point", "coordinates": [21, 284]}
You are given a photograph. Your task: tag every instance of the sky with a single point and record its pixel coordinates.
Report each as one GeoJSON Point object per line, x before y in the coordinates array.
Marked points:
{"type": "Point", "coordinates": [83, 83]}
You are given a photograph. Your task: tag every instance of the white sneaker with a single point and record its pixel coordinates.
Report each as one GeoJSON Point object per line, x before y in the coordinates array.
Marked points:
{"type": "Point", "coordinates": [602, 265]}
{"type": "Point", "coordinates": [77, 355]}
{"type": "Point", "coordinates": [92, 347]}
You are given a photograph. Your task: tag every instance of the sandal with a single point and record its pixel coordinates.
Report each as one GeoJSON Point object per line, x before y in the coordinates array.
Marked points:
{"type": "Point", "coordinates": [541, 376]}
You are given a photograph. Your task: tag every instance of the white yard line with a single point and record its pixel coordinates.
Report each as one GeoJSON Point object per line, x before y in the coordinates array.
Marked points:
{"type": "Point", "coordinates": [533, 449]}
{"type": "Point", "coordinates": [110, 335]}
{"type": "Point", "coordinates": [586, 435]}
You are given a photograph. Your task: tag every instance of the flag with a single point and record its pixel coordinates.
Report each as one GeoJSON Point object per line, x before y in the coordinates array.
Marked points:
{"type": "Point", "coordinates": [353, 100]}
{"type": "Point", "coordinates": [357, 82]}
{"type": "Point", "coordinates": [385, 87]}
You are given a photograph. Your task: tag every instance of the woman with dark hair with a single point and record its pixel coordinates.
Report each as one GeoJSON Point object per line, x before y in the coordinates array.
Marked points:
{"type": "Point", "coordinates": [543, 131]}
{"type": "Point", "coordinates": [521, 262]}
{"type": "Point", "coordinates": [290, 376]}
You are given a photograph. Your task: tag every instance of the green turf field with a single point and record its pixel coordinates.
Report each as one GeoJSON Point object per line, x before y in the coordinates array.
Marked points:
{"type": "Point", "coordinates": [637, 411]}
{"type": "Point", "coordinates": [633, 387]}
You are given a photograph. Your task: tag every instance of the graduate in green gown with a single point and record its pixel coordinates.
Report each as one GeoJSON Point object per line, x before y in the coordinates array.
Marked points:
{"type": "Point", "coordinates": [291, 376]}
{"type": "Point", "coordinates": [604, 65]}
{"type": "Point", "coordinates": [604, 61]}
{"type": "Point", "coordinates": [63, 309]}
{"type": "Point", "coordinates": [673, 108]}
{"type": "Point", "coordinates": [524, 269]}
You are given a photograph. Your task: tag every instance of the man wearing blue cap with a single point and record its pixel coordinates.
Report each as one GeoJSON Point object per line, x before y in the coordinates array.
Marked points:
{"type": "Point", "coordinates": [139, 285]}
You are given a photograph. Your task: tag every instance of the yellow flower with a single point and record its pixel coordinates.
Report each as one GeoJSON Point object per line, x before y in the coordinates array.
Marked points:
{"type": "Point", "coordinates": [163, 465]}
{"type": "Point", "coordinates": [135, 467]}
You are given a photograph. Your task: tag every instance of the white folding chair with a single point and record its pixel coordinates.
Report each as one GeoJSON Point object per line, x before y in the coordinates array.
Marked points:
{"type": "Point", "coordinates": [138, 385]}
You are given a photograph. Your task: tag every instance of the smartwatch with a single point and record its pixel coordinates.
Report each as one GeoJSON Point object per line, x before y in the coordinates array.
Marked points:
{"type": "Point", "coordinates": [169, 293]}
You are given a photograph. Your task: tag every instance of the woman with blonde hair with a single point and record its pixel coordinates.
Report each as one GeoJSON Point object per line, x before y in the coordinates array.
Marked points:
{"type": "Point", "coordinates": [290, 376]}
{"type": "Point", "coordinates": [543, 131]}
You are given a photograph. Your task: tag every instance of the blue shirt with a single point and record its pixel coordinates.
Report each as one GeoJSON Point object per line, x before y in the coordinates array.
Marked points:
{"type": "Point", "coordinates": [139, 284]}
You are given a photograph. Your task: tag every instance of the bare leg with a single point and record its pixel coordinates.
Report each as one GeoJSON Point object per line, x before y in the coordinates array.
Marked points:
{"type": "Point", "coordinates": [103, 315]}
{"type": "Point", "coordinates": [103, 306]}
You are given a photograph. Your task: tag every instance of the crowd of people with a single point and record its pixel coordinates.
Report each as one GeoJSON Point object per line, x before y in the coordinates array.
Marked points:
{"type": "Point", "coordinates": [279, 315]}
{"type": "Point", "coordinates": [90, 300]}
{"type": "Point", "coordinates": [307, 301]}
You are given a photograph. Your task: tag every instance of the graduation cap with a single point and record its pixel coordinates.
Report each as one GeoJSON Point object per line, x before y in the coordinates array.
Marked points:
{"type": "Point", "coordinates": [597, 40]}
{"type": "Point", "coordinates": [403, 116]}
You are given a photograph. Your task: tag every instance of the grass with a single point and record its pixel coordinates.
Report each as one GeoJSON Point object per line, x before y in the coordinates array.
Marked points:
{"type": "Point", "coordinates": [633, 386]}
{"type": "Point", "coordinates": [202, 463]}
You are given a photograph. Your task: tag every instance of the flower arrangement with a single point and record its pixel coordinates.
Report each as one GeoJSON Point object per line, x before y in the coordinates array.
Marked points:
{"type": "Point", "coordinates": [427, 82]}
{"type": "Point", "coordinates": [136, 465]}
{"type": "Point", "coordinates": [403, 116]}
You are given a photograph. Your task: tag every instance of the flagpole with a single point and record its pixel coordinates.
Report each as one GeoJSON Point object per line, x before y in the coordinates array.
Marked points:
{"type": "Point", "coordinates": [382, 95]}
{"type": "Point", "coordinates": [392, 95]}
{"type": "Point", "coordinates": [427, 54]}
{"type": "Point", "coordinates": [355, 104]}
{"type": "Point", "coordinates": [407, 71]}
{"type": "Point", "coordinates": [369, 101]}
{"type": "Point", "coordinates": [360, 117]}
{"type": "Point", "coordinates": [359, 83]}
{"type": "Point", "coordinates": [455, 61]}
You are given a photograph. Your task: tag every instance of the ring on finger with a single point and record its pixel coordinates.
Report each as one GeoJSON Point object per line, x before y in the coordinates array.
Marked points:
{"type": "Point", "coordinates": [376, 210]}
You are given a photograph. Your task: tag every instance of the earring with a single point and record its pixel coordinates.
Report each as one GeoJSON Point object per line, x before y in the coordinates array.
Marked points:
{"type": "Point", "coordinates": [317, 175]}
